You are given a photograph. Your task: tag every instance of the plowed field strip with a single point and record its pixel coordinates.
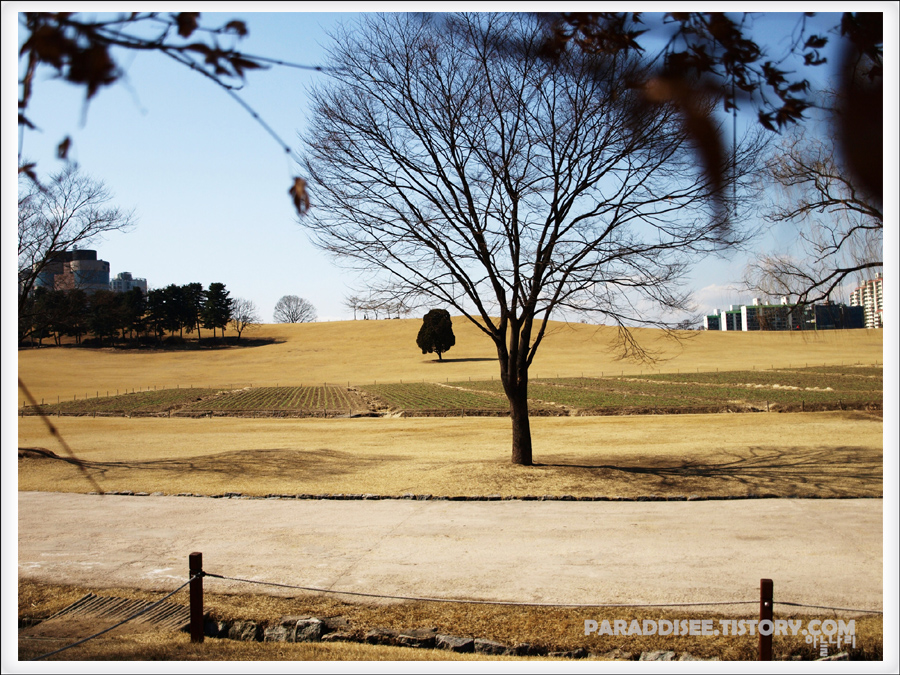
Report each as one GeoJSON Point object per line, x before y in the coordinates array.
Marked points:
{"type": "Point", "coordinates": [792, 387]}
{"type": "Point", "coordinates": [284, 398]}
{"type": "Point", "coordinates": [426, 396]}
{"type": "Point", "coordinates": [145, 401]}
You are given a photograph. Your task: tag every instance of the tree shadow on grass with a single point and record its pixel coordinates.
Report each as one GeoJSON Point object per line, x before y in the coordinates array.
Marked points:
{"type": "Point", "coordinates": [279, 463]}
{"type": "Point", "coordinates": [781, 471]}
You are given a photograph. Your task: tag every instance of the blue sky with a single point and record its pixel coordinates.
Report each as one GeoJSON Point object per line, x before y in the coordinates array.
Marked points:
{"type": "Point", "coordinates": [209, 185]}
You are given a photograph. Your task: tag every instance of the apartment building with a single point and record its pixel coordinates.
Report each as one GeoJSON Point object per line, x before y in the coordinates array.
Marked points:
{"type": "Point", "coordinates": [869, 296]}
{"type": "Point", "coordinates": [785, 316]}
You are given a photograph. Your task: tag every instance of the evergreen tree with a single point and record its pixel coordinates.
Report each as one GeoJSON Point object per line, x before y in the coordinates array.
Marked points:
{"type": "Point", "coordinates": [194, 297]}
{"type": "Point", "coordinates": [134, 308]}
{"type": "Point", "coordinates": [217, 308]}
{"type": "Point", "coordinates": [58, 308]}
{"type": "Point", "coordinates": [104, 314]}
{"type": "Point", "coordinates": [436, 333]}
{"type": "Point", "coordinates": [156, 311]}
{"type": "Point", "coordinates": [175, 309]}
{"type": "Point", "coordinates": [76, 313]}
{"type": "Point", "coordinates": [39, 311]}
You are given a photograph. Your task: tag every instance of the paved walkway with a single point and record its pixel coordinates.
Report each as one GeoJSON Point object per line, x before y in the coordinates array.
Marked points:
{"type": "Point", "coordinates": [818, 552]}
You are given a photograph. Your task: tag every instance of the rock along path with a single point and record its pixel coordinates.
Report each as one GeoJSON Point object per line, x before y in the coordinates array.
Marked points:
{"type": "Point", "coordinates": [817, 551]}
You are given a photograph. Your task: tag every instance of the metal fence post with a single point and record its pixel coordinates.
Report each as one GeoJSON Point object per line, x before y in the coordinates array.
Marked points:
{"type": "Point", "coordinates": [195, 564]}
{"type": "Point", "coordinates": [765, 614]}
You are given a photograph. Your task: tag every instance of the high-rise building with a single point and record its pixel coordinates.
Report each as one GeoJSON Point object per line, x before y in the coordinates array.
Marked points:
{"type": "Point", "coordinates": [869, 296]}
{"type": "Point", "coordinates": [75, 269]}
{"type": "Point", "coordinates": [124, 282]}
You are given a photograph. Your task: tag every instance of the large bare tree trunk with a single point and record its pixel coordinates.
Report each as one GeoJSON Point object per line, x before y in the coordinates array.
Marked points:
{"type": "Point", "coordinates": [514, 375]}
{"type": "Point", "coordinates": [521, 427]}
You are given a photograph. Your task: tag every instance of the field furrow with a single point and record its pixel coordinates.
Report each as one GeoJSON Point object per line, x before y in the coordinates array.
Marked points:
{"type": "Point", "coordinates": [785, 389]}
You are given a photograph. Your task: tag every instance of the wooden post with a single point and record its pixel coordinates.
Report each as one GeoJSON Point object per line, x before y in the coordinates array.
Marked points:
{"type": "Point", "coordinates": [195, 565]}
{"type": "Point", "coordinates": [765, 614]}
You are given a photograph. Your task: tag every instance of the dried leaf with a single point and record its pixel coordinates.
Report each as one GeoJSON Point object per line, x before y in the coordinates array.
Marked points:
{"type": "Point", "coordinates": [860, 122]}
{"type": "Point", "coordinates": [28, 170]}
{"type": "Point", "coordinates": [816, 42]}
{"type": "Point", "coordinates": [92, 67]}
{"type": "Point", "coordinates": [237, 27]}
{"type": "Point", "coordinates": [50, 45]}
{"type": "Point", "coordinates": [299, 195]}
{"type": "Point", "coordinates": [199, 47]}
{"type": "Point", "coordinates": [766, 120]}
{"type": "Point", "coordinates": [24, 121]}
{"type": "Point", "coordinates": [187, 23]}
{"type": "Point", "coordinates": [62, 150]}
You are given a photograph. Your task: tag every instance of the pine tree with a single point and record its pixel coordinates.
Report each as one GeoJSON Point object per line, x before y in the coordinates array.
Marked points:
{"type": "Point", "coordinates": [217, 308]}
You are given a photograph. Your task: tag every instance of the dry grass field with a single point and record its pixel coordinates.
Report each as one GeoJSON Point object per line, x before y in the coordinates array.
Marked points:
{"type": "Point", "coordinates": [822, 454]}
{"type": "Point", "coordinates": [363, 352]}
{"type": "Point", "coordinates": [829, 454]}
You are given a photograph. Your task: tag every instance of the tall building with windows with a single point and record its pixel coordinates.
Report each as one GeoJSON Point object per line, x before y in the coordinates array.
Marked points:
{"type": "Point", "coordinates": [869, 296]}
{"type": "Point", "coordinates": [124, 282]}
{"type": "Point", "coordinates": [75, 269]}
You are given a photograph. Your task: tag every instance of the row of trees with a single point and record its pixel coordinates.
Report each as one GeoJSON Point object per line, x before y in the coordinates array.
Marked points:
{"type": "Point", "coordinates": [104, 314]}
{"type": "Point", "coordinates": [375, 307]}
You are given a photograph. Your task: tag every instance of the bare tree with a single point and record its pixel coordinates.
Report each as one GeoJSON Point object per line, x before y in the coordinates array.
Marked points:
{"type": "Point", "coordinates": [508, 188]}
{"type": "Point", "coordinates": [839, 227]}
{"type": "Point", "coordinates": [354, 303]}
{"type": "Point", "coordinates": [71, 211]}
{"type": "Point", "coordinates": [244, 315]}
{"type": "Point", "coordinates": [375, 305]}
{"type": "Point", "coordinates": [293, 309]}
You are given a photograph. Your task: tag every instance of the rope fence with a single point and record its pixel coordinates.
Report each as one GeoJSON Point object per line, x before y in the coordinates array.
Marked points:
{"type": "Point", "coordinates": [766, 604]}
{"type": "Point", "coordinates": [508, 603]}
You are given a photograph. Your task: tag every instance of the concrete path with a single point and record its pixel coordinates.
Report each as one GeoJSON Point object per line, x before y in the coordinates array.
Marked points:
{"type": "Point", "coordinates": [818, 552]}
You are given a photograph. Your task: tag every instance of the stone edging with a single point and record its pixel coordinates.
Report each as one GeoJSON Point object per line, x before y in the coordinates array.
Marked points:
{"type": "Point", "coordinates": [337, 629]}
{"type": "Point", "coordinates": [313, 629]}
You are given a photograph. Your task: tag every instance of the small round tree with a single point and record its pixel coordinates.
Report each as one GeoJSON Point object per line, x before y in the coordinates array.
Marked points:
{"type": "Point", "coordinates": [436, 333]}
{"type": "Point", "coordinates": [293, 309]}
